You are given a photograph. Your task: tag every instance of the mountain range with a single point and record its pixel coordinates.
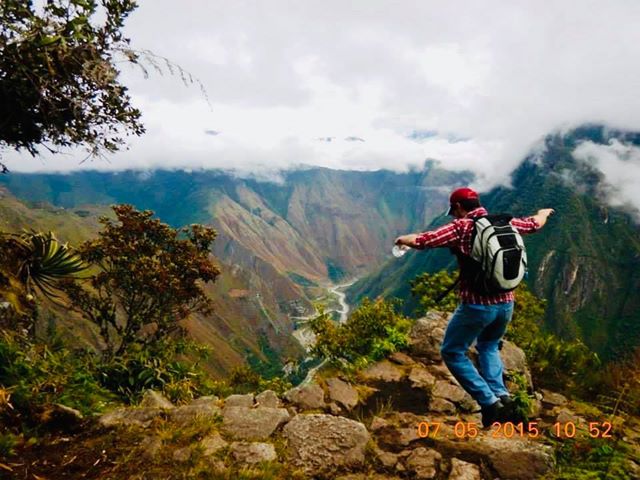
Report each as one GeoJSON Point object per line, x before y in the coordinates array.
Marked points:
{"type": "Point", "coordinates": [282, 242]}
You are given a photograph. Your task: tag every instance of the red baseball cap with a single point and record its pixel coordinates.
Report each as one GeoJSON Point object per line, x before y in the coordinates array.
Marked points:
{"type": "Point", "coordinates": [460, 194]}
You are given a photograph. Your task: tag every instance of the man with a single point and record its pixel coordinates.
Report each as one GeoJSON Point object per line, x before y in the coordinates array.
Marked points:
{"type": "Point", "coordinates": [481, 317]}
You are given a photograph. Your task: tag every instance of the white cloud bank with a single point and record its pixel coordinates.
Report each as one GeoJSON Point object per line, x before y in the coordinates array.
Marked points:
{"type": "Point", "coordinates": [281, 74]}
{"type": "Point", "coordinates": [620, 165]}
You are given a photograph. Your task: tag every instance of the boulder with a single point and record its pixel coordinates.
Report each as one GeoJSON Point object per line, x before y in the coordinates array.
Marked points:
{"type": "Point", "coordinates": [342, 393]}
{"type": "Point", "coordinates": [377, 423]}
{"type": "Point", "coordinates": [387, 459]}
{"type": "Point", "coordinates": [206, 400]}
{"type": "Point", "coordinates": [237, 400]}
{"type": "Point", "coordinates": [322, 444]}
{"type": "Point", "coordinates": [423, 463]}
{"type": "Point", "coordinates": [153, 399]}
{"type": "Point", "coordinates": [427, 334]}
{"type": "Point", "coordinates": [245, 423]}
{"type": "Point", "coordinates": [141, 417]}
{"type": "Point", "coordinates": [552, 399]}
{"type": "Point", "coordinates": [401, 358]}
{"type": "Point", "coordinates": [307, 397]}
{"type": "Point", "coordinates": [420, 377]}
{"type": "Point", "coordinates": [251, 453]}
{"type": "Point", "coordinates": [448, 391]}
{"type": "Point", "coordinates": [383, 371]}
{"type": "Point", "coordinates": [198, 411]}
{"type": "Point", "coordinates": [212, 444]}
{"type": "Point", "coordinates": [461, 470]}
{"type": "Point", "coordinates": [268, 398]}
{"type": "Point", "coordinates": [440, 405]}
{"type": "Point", "coordinates": [515, 360]}
{"type": "Point", "coordinates": [515, 458]}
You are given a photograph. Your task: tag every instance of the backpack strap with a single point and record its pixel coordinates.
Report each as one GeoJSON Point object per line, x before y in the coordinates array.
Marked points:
{"type": "Point", "coordinates": [441, 297]}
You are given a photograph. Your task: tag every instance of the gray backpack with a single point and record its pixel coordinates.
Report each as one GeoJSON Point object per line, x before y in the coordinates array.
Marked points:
{"type": "Point", "coordinates": [498, 257]}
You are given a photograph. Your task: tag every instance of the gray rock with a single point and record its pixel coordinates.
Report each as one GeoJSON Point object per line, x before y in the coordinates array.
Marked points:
{"type": "Point", "coordinates": [206, 400]}
{"type": "Point", "coordinates": [552, 399]}
{"type": "Point", "coordinates": [440, 405]}
{"type": "Point", "coordinates": [307, 397]}
{"type": "Point", "coordinates": [515, 458]}
{"type": "Point", "coordinates": [383, 371]}
{"type": "Point", "coordinates": [194, 412]}
{"type": "Point", "coordinates": [251, 453]}
{"type": "Point", "coordinates": [182, 454]}
{"type": "Point", "coordinates": [321, 444]}
{"type": "Point", "coordinates": [461, 470]}
{"type": "Point", "coordinates": [427, 334]}
{"type": "Point", "coordinates": [253, 423]}
{"type": "Point", "coordinates": [448, 391]}
{"type": "Point", "coordinates": [153, 399]}
{"type": "Point", "coordinates": [420, 377]}
{"type": "Point", "coordinates": [515, 360]}
{"type": "Point", "coordinates": [129, 416]}
{"type": "Point", "coordinates": [342, 393]}
{"type": "Point", "coordinates": [268, 398]}
{"type": "Point", "coordinates": [387, 459]}
{"type": "Point", "coordinates": [423, 463]}
{"type": "Point", "coordinates": [151, 447]}
{"type": "Point", "coordinates": [212, 444]}
{"type": "Point", "coordinates": [237, 400]}
{"type": "Point", "coordinates": [401, 358]}
{"type": "Point", "coordinates": [377, 423]}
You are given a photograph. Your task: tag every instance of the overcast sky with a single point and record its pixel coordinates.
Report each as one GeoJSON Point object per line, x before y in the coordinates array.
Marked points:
{"type": "Point", "coordinates": [345, 84]}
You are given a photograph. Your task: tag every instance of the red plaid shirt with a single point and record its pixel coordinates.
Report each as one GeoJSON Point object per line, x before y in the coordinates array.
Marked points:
{"type": "Point", "coordinates": [457, 235]}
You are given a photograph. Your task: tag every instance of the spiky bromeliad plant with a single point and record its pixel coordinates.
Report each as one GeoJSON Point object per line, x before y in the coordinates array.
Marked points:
{"type": "Point", "coordinates": [40, 261]}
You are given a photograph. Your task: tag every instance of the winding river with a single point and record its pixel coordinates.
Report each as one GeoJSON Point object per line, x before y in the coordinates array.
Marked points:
{"type": "Point", "coordinates": [306, 337]}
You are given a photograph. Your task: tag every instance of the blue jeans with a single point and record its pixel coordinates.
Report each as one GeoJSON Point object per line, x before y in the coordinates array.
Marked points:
{"type": "Point", "coordinates": [487, 324]}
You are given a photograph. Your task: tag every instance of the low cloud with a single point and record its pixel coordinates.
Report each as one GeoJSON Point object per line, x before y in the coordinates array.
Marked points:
{"type": "Point", "coordinates": [619, 164]}
{"type": "Point", "coordinates": [472, 85]}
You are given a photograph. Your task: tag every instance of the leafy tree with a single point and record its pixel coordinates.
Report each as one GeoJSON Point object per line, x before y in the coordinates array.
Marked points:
{"type": "Point", "coordinates": [149, 278]}
{"type": "Point", "coordinates": [58, 78]}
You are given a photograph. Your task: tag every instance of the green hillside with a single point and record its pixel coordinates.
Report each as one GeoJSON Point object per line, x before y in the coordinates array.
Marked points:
{"type": "Point", "coordinates": [251, 310]}
{"type": "Point", "coordinates": [585, 261]}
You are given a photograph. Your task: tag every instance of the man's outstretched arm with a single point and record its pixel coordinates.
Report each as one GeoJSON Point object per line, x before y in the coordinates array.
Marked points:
{"type": "Point", "coordinates": [534, 222]}
{"type": "Point", "coordinates": [445, 236]}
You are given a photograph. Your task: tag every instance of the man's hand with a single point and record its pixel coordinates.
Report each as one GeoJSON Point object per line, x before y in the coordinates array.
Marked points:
{"type": "Point", "coordinates": [542, 215]}
{"type": "Point", "coordinates": [408, 240]}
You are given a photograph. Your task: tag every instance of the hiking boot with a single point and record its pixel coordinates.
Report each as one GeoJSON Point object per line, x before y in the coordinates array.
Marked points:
{"type": "Point", "coordinates": [510, 413]}
{"type": "Point", "coordinates": [492, 413]}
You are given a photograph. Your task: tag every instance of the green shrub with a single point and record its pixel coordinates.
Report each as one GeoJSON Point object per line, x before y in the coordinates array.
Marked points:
{"type": "Point", "coordinates": [428, 287]}
{"type": "Point", "coordinates": [37, 375]}
{"type": "Point", "coordinates": [164, 367]}
{"type": "Point", "coordinates": [372, 331]}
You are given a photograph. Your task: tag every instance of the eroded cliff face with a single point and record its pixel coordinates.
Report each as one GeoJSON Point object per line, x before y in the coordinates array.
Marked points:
{"type": "Point", "coordinates": [404, 417]}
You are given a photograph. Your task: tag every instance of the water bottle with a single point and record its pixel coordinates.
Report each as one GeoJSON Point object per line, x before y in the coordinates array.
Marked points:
{"type": "Point", "coordinates": [399, 250]}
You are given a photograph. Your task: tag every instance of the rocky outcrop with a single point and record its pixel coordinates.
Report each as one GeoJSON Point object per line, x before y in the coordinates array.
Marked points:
{"type": "Point", "coordinates": [342, 393]}
{"type": "Point", "coordinates": [319, 444]}
{"type": "Point", "coordinates": [253, 423]}
{"type": "Point", "coordinates": [307, 397]}
{"type": "Point", "coordinates": [312, 429]}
